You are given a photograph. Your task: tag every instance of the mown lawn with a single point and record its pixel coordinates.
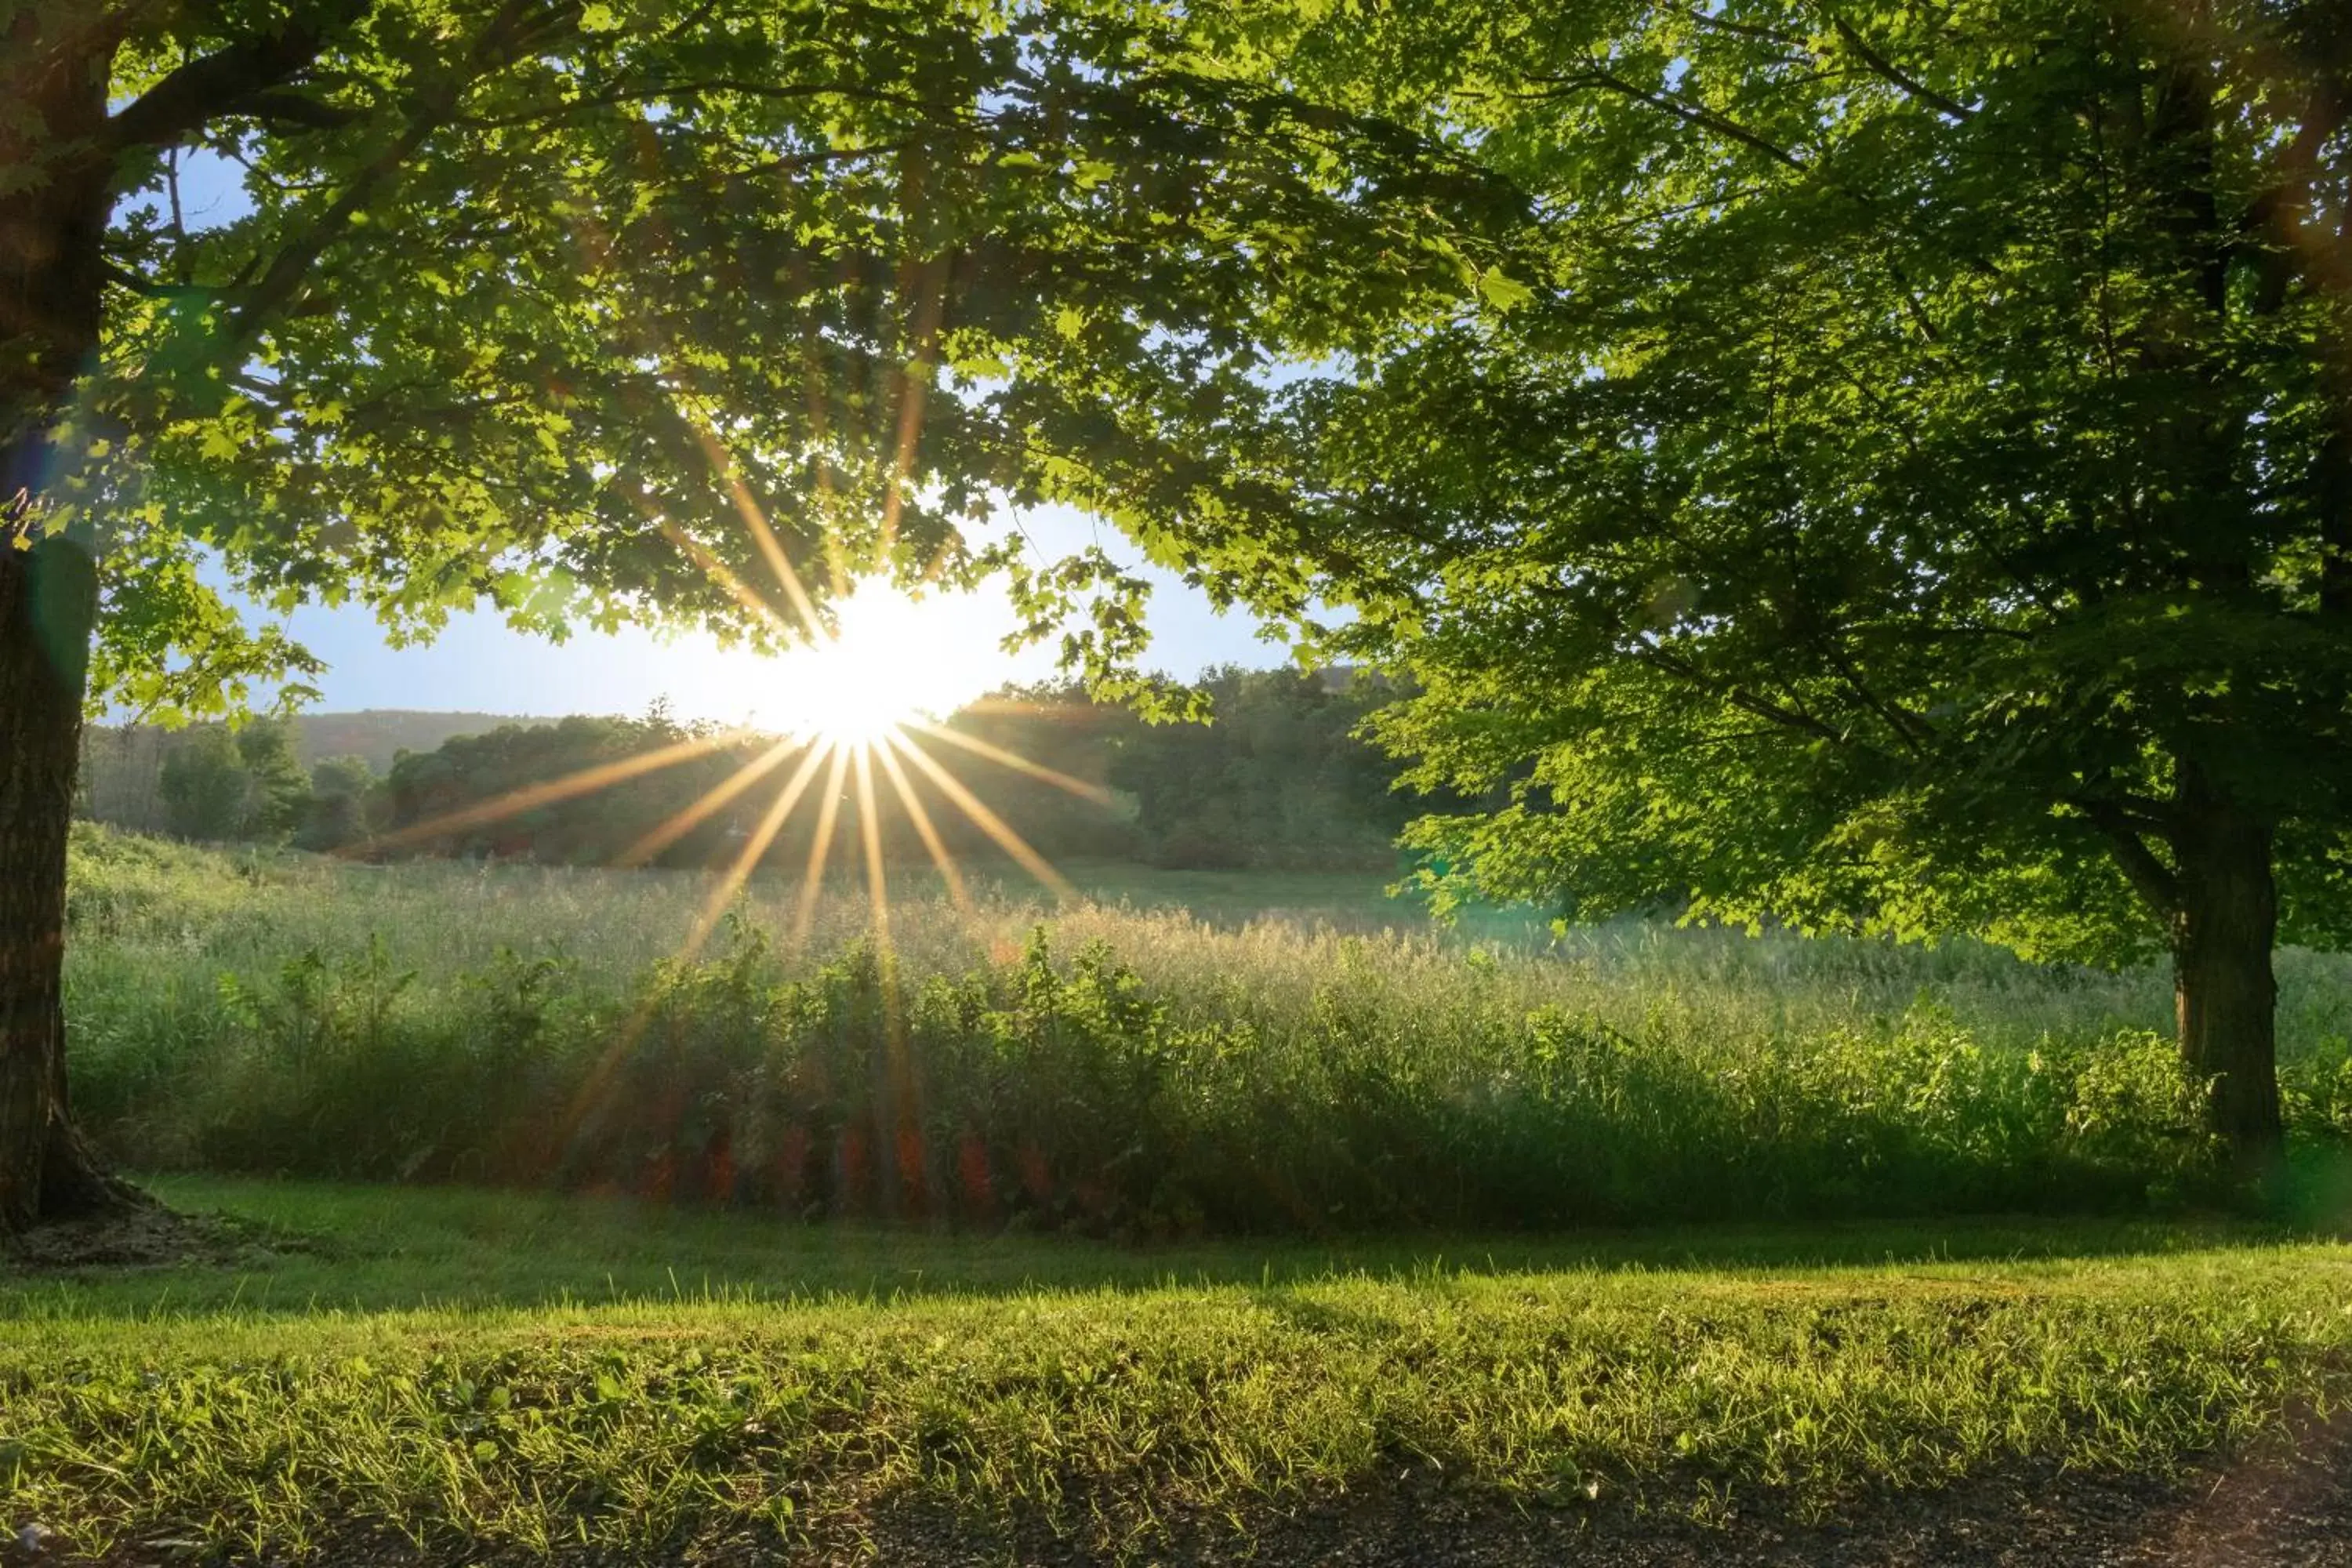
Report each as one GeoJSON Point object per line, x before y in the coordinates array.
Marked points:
{"type": "Point", "coordinates": [492, 1372]}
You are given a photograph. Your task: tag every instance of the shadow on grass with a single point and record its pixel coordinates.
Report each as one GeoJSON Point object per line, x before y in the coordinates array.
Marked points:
{"type": "Point", "coordinates": [318, 1247]}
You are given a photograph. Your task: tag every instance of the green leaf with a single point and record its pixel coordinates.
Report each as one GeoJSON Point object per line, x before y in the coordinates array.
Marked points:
{"type": "Point", "coordinates": [1502, 291]}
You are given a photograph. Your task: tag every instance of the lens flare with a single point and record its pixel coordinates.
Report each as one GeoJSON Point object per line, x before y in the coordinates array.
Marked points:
{"type": "Point", "coordinates": [882, 665]}
{"type": "Point", "coordinates": [848, 701]}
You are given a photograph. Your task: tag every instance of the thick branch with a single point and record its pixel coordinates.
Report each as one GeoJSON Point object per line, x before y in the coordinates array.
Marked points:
{"type": "Point", "coordinates": [150, 289]}
{"type": "Point", "coordinates": [295, 109]}
{"type": "Point", "coordinates": [2154, 881]}
{"type": "Point", "coordinates": [232, 80]}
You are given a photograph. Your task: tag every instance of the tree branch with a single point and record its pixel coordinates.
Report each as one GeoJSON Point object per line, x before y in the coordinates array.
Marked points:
{"type": "Point", "coordinates": [431, 108]}
{"type": "Point", "coordinates": [2149, 876]}
{"type": "Point", "coordinates": [1913, 731]}
{"type": "Point", "coordinates": [123, 278]}
{"type": "Point", "coordinates": [227, 82]}
{"type": "Point", "coordinates": [1687, 112]}
{"type": "Point", "coordinates": [1889, 71]}
{"type": "Point", "coordinates": [655, 91]}
{"type": "Point", "coordinates": [288, 269]}
{"type": "Point", "coordinates": [1743, 29]}
{"type": "Point", "coordinates": [282, 107]}
{"type": "Point", "coordinates": [1745, 700]}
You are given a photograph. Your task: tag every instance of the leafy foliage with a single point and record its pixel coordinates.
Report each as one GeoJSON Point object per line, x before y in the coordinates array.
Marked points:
{"type": "Point", "coordinates": [240, 785]}
{"type": "Point", "coordinates": [1080, 1094]}
{"type": "Point", "coordinates": [1899, 480]}
{"type": "Point", "coordinates": [343, 808]}
{"type": "Point", "coordinates": [1280, 777]}
{"type": "Point", "coordinates": [594, 314]}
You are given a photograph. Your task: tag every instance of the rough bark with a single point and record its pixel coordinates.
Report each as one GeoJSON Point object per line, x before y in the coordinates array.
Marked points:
{"type": "Point", "coordinates": [2224, 925]}
{"type": "Point", "coordinates": [52, 230]}
{"type": "Point", "coordinates": [47, 597]}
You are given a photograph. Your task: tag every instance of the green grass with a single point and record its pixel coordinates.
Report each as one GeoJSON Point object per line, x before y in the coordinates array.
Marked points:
{"type": "Point", "coordinates": [1115, 1068]}
{"type": "Point", "coordinates": [326, 1246]}
{"type": "Point", "coordinates": [482, 1372]}
{"type": "Point", "coordinates": [1182, 1059]}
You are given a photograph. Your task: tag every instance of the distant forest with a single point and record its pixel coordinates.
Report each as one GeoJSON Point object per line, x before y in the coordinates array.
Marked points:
{"type": "Point", "coordinates": [1279, 779]}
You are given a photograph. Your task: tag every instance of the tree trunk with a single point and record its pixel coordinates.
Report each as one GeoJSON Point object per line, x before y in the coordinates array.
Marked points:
{"type": "Point", "coordinates": [2223, 926]}
{"type": "Point", "coordinates": [47, 598]}
{"type": "Point", "coordinates": [53, 215]}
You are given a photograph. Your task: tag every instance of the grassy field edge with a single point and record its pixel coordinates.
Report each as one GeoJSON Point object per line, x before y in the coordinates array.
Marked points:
{"type": "Point", "coordinates": [742, 1379]}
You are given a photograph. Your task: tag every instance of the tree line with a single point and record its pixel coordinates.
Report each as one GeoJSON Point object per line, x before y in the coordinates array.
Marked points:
{"type": "Point", "coordinates": [1282, 776]}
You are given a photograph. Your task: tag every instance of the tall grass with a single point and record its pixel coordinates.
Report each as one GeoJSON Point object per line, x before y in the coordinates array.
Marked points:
{"type": "Point", "coordinates": [1107, 1066]}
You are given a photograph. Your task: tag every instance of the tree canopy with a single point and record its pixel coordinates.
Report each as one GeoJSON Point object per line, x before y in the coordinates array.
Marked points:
{"type": "Point", "coordinates": [249, 784]}
{"type": "Point", "coordinates": [591, 313]}
{"type": "Point", "coordinates": [1901, 480]}
{"type": "Point", "coordinates": [602, 311]}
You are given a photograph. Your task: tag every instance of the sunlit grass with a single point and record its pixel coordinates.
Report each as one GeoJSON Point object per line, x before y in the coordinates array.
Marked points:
{"type": "Point", "coordinates": [153, 919]}
{"type": "Point", "coordinates": [582, 1372]}
{"type": "Point", "coordinates": [1117, 1069]}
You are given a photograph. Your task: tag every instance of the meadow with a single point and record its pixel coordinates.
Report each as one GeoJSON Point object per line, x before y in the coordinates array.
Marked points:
{"type": "Point", "coordinates": [1860, 464]}
{"type": "Point", "coordinates": [1166, 1224]}
{"type": "Point", "coordinates": [1166, 1058]}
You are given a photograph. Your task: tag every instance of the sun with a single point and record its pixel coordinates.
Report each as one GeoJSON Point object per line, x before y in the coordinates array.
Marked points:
{"type": "Point", "coordinates": [887, 662]}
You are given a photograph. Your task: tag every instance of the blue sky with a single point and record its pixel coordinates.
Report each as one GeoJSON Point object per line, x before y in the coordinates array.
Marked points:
{"type": "Point", "coordinates": [477, 664]}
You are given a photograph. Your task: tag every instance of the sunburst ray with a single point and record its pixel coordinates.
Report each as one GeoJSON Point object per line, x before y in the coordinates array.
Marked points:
{"type": "Point", "coordinates": [998, 704]}
{"type": "Point", "coordinates": [683, 822]}
{"type": "Point", "coordinates": [925, 281]}
{"type": "Point", "coordinates": [1014, 759]}
{"type": "Point", "coordinates": [719, 572]}
{"type": "Point", "coordinates": [987, 821]}
{"type": "Point", "coordinates": [706, 919]}
{"type": "Point", "coordinates": [754, 849]}
{"type": "Point", "coordinates": [821, 848]}
{"type": "Point", "coordinates": [755, 522]}
{"type": "Point", "coordinates": [920, 815]}
{"type": "Point", "coordinates": [869, 830]}
{"type": "Point", "coordinates": [602, 775]}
